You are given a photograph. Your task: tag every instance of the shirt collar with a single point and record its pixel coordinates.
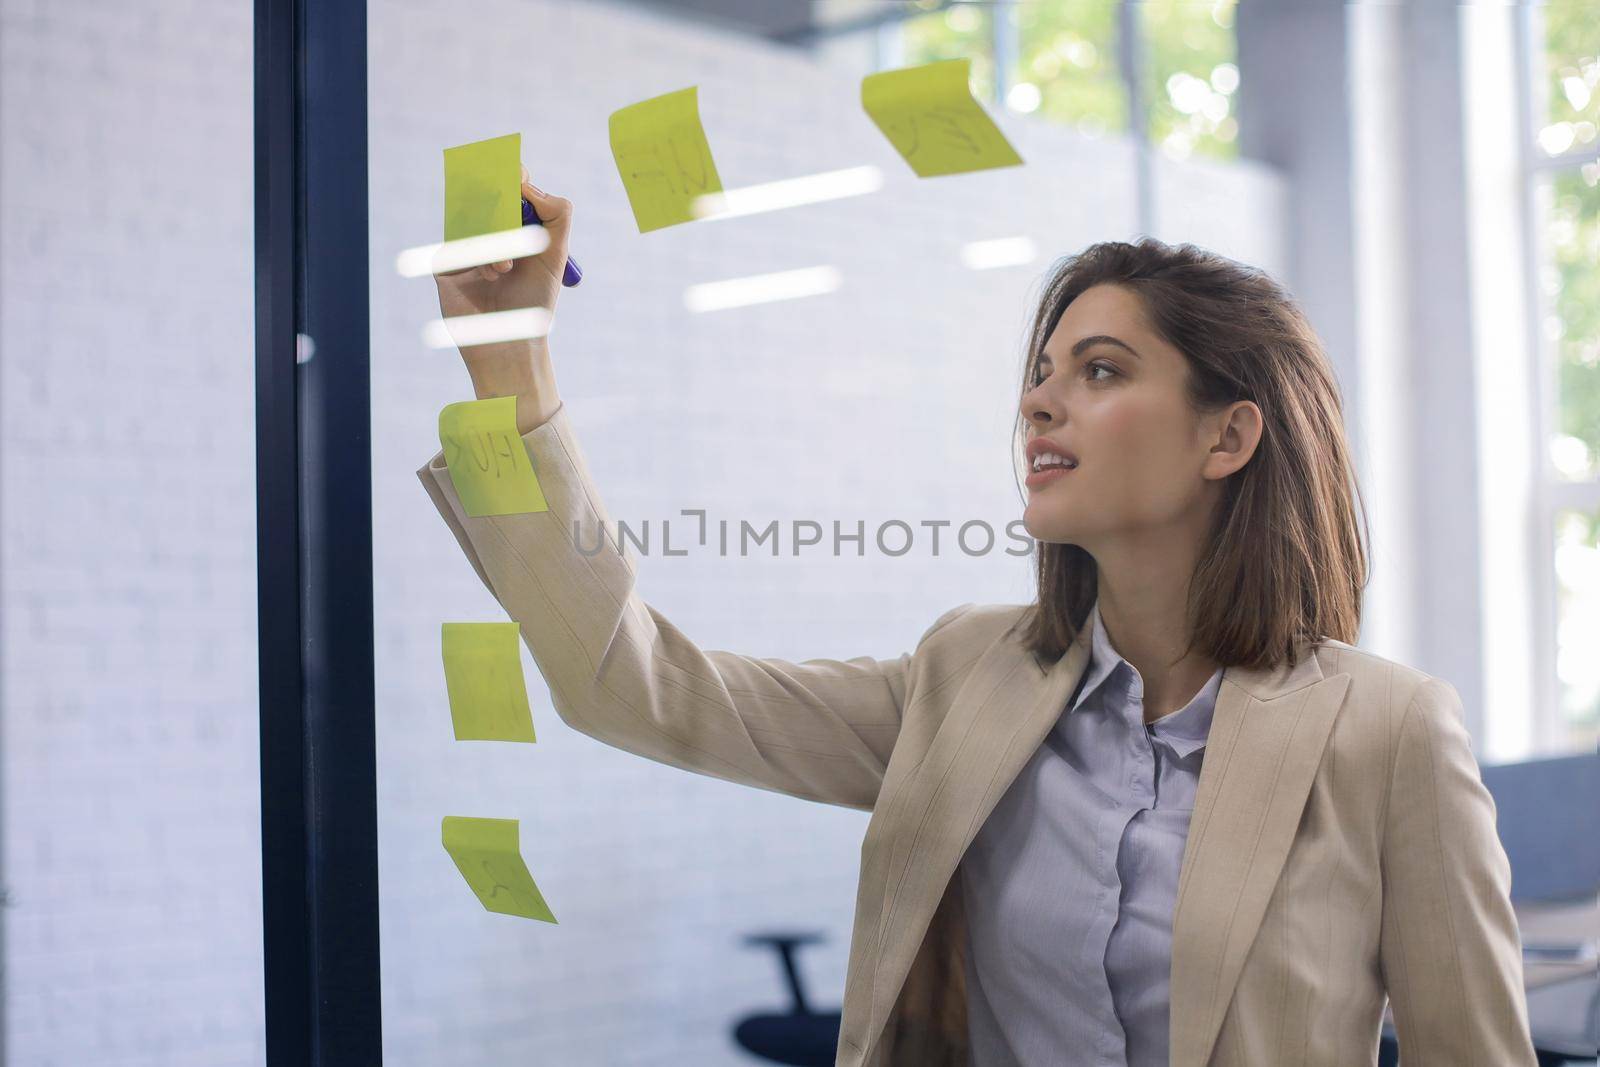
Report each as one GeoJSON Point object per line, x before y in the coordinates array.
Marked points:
{"type": "Point", "coordinates": [1183, 731]}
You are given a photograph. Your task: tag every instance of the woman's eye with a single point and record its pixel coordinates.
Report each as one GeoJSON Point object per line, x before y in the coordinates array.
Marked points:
{"type": "Point", "coordinates": [1039, 374]}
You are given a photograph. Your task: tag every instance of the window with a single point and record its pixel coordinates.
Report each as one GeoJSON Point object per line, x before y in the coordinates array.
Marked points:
{"type": "Point", "coordinates": [1577, 564]}
{"type": "Point", "coordinates": [1067, 68]}
{"type": "Point", "coordinates": [957, 31]}
{"type": "Point", "coordinates": [1191, 75]}
{"type": "Point", "coordinates": [1562, 172]}
{"type": "Point", "coordinates": [1092, 64]}
{"type": "Point", "coordinates": [1063, 60]}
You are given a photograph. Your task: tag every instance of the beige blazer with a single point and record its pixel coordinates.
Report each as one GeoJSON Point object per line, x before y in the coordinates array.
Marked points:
{"type": "Point", "coordinates": [1342, 847]}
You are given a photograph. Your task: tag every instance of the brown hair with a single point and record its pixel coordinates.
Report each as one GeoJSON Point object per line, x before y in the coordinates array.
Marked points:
{"type": "Point", "coordinates": [1282, 563]}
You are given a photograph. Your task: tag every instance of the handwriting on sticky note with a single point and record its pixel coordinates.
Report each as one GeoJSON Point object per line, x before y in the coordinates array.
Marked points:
{"type": "Point", "coordinates": [488, 856]}
{"type": "Point", "coordinates": [929, 115]}
{"type": "Point", "coordinates": [488, 460]}
{"type": "Point", "coordinates": [663, 158]}
{"type": "Point", "coordinates": [483, 673]}
{"type": "Point", "coordinates": [483, 187]}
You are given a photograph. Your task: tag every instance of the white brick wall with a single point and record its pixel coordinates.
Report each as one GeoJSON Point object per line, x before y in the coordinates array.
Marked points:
{"type": "Point", "coordinates": [128, 781]}
{"type": "Point", "coordinates": [128, 753]}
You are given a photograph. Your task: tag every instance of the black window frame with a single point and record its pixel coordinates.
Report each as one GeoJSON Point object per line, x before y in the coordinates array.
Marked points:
{"type": "Point", "coordinates": [319, 844]}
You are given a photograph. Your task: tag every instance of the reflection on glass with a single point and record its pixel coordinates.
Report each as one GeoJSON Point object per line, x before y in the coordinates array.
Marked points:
{"type": "Point", "coordinates": [1569, 90]}
{"type": "Point", "coordinates": [1067, 64]}
{"type": "Point", "coordinates": [1191, 76]}
{"type": "Point", "coordinates": [1570, 278]}
{"type": "Point", "coordinates": [1578, 626]}
{"type": "Point", "coordinates": [958, 32]}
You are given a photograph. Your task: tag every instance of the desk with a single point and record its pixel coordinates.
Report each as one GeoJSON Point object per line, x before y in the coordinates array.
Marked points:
{"type": "Point", "coordinates": [1557, 924]}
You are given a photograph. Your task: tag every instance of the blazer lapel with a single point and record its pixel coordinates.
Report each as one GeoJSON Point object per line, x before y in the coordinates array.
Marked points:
{"type": "Point", "coordinates": [1267, 735]}
{"type": "Point", "coordinates": [995, 724]}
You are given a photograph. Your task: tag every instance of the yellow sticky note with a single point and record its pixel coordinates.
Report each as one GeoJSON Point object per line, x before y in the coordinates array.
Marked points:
{"type": "Point", "coordinates": [489, 858]}
{"type": "Point", "coordinates": [483, 187]}
{"type": "Point", "coordinates": [663, 157]}
{"type": "Point", "coordinates": [930, 117]}
{"type": "Point", "coordinates": [488, 461]}
{"type": "Point", "coordinates": [483, 673]}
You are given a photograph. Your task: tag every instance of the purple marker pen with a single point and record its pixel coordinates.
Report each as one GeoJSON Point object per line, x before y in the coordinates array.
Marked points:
{"type": "Point", "coordinates": [571, 275]}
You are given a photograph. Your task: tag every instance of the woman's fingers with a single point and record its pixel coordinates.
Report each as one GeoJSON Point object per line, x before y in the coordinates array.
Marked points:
{"type": "Point", "coordinates": [530, 192]}
{"type": "Point", "coordinates": [548, 208]}
{"type": "Point", "coordinates": [491, 271]}
{"type": "Point", "coordinates": [532, 195]}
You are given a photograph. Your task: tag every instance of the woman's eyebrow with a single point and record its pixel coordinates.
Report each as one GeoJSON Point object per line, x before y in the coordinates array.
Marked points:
{"type": "Point", "coordinates": [1096, 339]}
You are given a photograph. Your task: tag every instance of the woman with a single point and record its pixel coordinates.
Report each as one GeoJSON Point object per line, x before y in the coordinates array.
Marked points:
{"type": "Point", "coordinates": [1166, 814]}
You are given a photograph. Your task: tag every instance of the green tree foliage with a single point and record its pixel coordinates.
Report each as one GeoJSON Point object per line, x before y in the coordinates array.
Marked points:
{"type": "Point", "coordinates": [1572, 237]}
{"type": "Point", "coordinates": [959, 31]}
{"type": "Point", "coordinates": [1068, 51]}
{"type": "Point", "coordinates": [1569, 94]}
{"type": "Point", "coordinates": [1571, 75]}
{"type": "Point", "coordinates": [1571, 102]}
{"type": "Point", "coordinates": [1191, 75]}
{"type": "Point", "coordinates": [1067, 64]}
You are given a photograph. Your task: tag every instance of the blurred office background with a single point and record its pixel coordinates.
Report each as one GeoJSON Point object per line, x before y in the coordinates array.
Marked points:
{"type": "Point", "coordinates": [1423, 176]}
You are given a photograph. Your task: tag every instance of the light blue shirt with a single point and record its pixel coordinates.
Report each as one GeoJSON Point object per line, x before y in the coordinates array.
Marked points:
{"type": "Point", "coordinates": [1070, 883]}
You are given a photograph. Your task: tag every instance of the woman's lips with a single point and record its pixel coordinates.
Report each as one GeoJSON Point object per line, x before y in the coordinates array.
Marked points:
{"type": "Point", "coordinates": [1040, 478]}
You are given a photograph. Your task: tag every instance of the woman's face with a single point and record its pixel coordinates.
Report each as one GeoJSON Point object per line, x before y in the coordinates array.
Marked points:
{"type": "Point", "coordinates": [1109, 392]}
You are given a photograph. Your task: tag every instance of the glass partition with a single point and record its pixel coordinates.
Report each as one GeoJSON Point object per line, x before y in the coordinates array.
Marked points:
{"type": "Point", "coordinates": [801, 416]}
{"type": "Point", "coordinates": [783, 366]}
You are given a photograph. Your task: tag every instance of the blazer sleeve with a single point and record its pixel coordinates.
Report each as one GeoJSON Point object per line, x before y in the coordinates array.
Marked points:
{"type": "Point", "coordinates": [619, 671]}
{"type": "Point", "coordinates": [1450, 951]}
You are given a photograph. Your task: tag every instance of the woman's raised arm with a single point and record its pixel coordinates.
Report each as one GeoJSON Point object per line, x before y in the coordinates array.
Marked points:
{"type": "Point", "coordinates": [617, 669]}
{"type": "Point", "coordinates": [621, 672]}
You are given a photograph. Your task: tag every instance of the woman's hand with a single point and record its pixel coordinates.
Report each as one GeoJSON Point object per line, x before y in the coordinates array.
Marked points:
{"type": "Point", "coordinates": [531, 281]}
{"type": "Point", "coordinates": [514, 368]}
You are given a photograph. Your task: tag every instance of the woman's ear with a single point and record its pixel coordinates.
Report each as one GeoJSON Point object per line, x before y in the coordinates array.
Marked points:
{"type": "Point", "coordinates": [1235, 433]}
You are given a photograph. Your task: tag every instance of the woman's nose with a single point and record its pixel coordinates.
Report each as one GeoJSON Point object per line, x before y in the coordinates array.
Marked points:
{"type": "Point", "coordinates": [1037, 408]}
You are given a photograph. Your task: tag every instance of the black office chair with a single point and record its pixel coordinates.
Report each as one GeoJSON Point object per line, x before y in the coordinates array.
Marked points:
{"type": "Point", "coordinates": [799, 1037]}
